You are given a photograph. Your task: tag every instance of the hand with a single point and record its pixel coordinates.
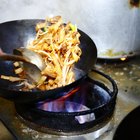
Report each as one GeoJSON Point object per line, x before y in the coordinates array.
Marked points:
{"type": "Point", "coordinates": [1, 52]}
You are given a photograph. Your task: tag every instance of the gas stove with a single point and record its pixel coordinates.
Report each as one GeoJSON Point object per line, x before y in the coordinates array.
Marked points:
{"type": "Point", "coordinates": [16, 124]}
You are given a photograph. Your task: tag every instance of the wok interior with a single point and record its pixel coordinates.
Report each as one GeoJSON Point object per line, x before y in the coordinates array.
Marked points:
{"type": "Point", "coordinates": [8, 69]}
{"type": "Point", "coordinates": [18, 33]}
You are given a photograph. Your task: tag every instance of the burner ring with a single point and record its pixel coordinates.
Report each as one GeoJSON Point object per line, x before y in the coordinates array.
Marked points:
{"type": "Point", "coordinates": [70, 122]}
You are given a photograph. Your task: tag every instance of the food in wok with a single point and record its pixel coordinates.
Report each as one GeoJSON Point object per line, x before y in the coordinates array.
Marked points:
{"type": "Point", "coordinates": [58, 44]}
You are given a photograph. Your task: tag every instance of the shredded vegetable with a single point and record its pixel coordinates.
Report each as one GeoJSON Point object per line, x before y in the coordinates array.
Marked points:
{"type": "Point", "coordinates": [58, 44]}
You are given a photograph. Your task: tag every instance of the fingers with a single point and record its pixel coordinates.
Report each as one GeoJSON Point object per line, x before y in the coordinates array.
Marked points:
{"type": "Point", "coordinates": [1, 52]}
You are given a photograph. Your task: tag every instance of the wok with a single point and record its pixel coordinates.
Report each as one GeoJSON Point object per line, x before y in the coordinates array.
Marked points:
{"type": "Point", "coordinates": [129, 127]}
{"type": "Point", "coordinates": [18, 33]}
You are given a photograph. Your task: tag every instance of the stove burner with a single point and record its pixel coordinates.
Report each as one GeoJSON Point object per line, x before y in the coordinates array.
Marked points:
{"type": "Point", "coordinates": [89, 106]}
{"type": "Point", "coordinates": [68, 106]}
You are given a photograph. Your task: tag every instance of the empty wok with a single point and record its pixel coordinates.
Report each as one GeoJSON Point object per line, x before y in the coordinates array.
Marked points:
{"type": "Point", "coordinates": [15, 34]}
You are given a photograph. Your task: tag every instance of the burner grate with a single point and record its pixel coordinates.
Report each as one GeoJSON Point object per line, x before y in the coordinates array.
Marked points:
{"type": "Point", "coordinates": [97, 109]}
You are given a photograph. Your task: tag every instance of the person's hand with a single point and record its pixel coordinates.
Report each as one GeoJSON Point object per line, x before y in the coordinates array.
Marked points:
{"type": "Point", "coordinates": [1, 52]}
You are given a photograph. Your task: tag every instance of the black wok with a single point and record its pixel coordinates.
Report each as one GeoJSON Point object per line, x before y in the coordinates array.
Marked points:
{"type": "Point", "coordinates": [129, 128]}
{"type": "Point", "coordinates": [15, 34]}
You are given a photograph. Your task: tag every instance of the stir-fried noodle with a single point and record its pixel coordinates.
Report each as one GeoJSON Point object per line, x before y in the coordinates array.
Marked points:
{"type": "Point", "coordinates": [58, 44]}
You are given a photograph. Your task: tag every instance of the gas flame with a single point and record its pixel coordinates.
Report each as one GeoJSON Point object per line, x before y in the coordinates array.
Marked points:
{"type": "Point", "coordinates": [75, 100]}
{"type": "Point", "coordinates": [61, 104]}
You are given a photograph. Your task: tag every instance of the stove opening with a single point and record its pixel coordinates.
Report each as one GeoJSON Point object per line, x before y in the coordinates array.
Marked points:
{"type": "Point", "coordinates": [84, 108]}
{"type": "Point", "coordinates": [82, 98]}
